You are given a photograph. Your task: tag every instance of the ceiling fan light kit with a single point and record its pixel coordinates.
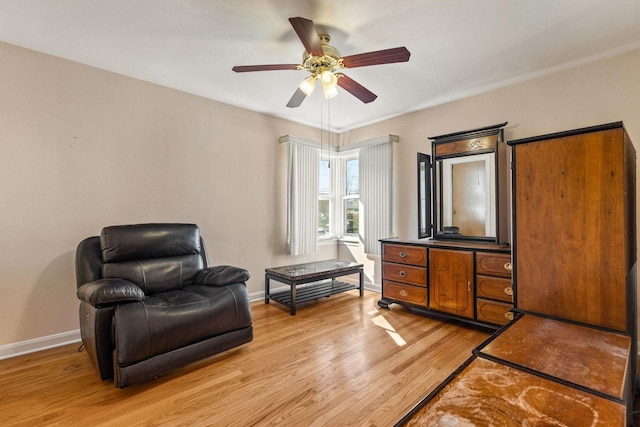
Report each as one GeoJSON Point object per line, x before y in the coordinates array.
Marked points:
{"type": "Point", "coordinates": [308, 85]}
{"type": "Point", "coordinates": [325, 63]}
{"type": "Point", "coordinates": [329, 91]}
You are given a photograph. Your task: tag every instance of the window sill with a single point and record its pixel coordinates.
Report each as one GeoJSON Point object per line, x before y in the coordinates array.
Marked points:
{"type": "Point", "coordinates": [349, 239]}
{"type": "Point", "coordinates": [327, 241]}
{"type": "Point", "coordinates": [334, 240]}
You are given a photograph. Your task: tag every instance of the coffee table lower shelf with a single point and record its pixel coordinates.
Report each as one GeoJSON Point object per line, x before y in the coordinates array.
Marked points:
{"type": "Point", "coordinates": [308, 281]}
{"type": "Point", "coordinates": [312, 292]}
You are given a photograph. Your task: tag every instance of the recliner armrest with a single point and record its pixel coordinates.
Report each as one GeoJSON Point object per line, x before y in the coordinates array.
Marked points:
{"type": "Point", "coordinates": [221, 275]}
{"type": "Point", "coordinates": [104, 292]}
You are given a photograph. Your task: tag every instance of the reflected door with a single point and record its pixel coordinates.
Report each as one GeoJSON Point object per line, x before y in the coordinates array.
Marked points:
{"type": "Point", "coordinates": [469, 198]}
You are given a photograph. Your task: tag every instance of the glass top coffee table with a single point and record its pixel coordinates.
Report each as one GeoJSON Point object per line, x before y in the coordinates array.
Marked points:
{"type": "Point", "coordinates": [309, 273]}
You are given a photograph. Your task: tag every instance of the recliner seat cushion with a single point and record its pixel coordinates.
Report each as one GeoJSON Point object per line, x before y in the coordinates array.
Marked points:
{"type": "Point", "coordinates": [204, 312]}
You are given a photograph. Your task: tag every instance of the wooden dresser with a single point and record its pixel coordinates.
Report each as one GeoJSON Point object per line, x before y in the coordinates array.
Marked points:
{"type": "Point", "coordinates": [470, 282]}
{"type": "Point", "coordinates": [570, 356]}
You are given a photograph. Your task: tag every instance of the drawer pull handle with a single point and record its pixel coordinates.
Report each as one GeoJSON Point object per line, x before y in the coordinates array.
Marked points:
{"type": "Point", "coordinates": [404, 293]}
{"type": "Point", "coordinates": [469, 286]}
{"type": "Point", "coordinates": [402, 274]}
{"type": "Point", "coordinates": [507, 266]}
{"type": "Point", "coordinates": [508, 290]}
{"type": "Point", "coordinates": [509, 315]}
{"type": "Point", "coordinates": [403, 254]}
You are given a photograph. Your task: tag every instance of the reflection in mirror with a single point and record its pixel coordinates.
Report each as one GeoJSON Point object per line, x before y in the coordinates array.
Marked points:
{"type": "Point", "coordinates": [468, 202]}
{"type": "Point", "coordinates": [424, 195]}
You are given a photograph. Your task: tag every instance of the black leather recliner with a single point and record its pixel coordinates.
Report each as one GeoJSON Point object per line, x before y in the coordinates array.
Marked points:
{"type": "Point", "coordinates": [150, 303]}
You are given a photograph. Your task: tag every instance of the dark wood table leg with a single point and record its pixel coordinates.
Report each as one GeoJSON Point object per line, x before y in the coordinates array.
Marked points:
{"type": "Point", "coordinates": [266, 289]}
{"type": "Point", "coordinates": [361, 282]}
{"type": "Point", "coordinates": [293, 300]}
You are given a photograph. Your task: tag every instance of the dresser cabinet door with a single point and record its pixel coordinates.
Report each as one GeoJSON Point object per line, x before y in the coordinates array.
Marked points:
{"type": "Point", "coordinates": [451, 282]}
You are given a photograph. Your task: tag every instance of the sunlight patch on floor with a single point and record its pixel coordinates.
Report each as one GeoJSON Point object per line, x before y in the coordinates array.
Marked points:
{"type": "Point", "coordinates": [383, 323]}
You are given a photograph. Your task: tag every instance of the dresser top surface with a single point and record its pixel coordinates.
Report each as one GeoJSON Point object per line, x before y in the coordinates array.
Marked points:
{"type": "Point", "coordinates": [449, 244]}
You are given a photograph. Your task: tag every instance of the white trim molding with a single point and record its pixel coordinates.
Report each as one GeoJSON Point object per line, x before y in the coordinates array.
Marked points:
{"type": "Point", "coordinates": [38, 344]}
{"type": "Point", "coordinates": [336, 149]}
{"type": "Point", "coordinates": [370, 142]}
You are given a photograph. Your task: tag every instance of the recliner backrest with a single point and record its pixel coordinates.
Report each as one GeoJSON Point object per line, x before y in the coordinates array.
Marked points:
{"type": "Point", "coordinates": [156, 257]}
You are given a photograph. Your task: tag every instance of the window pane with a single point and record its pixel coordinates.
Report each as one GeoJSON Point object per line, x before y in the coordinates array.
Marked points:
{"type": "Point", "coordinates": [352, 178]}
{"type": "Point", "coordinates": [324, 202]}
{"type": "Point", "coordinates": [323, 217]}
{"type": "Point", "coordinates": [325, 178]}
{"type": "Point", "coordinates": [352, 215]}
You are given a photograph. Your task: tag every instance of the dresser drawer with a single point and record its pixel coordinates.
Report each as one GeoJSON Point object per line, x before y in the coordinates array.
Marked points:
{"type": "Point", "coordinates": [407, 293]}
{"type": "Point", "coordinates": [404, 273]}
{"type": "Point", "coordinates": [489, 264]}
{"type": "Point", "coordinates": [414, 255]}
{"type": "Point", "coordinates": [494, 288]}
{"type": "Point", "coordinates": [493, 312]}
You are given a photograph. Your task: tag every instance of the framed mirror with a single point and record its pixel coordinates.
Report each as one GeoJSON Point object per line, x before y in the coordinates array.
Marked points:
{"type": "Point", "coordinates": [424, 195]}
{"type": "Point", "coordinates": [469, 192]}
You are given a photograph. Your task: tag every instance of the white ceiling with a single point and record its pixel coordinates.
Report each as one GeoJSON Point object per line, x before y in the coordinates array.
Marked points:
{"type": "Point", "coordinates": [458, 47]}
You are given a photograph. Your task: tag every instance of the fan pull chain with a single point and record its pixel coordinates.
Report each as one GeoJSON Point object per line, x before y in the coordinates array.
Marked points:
{"type": "Point", "coordinates": [321, 129]}
{"type": "Point", "coordinates": [329, 133]}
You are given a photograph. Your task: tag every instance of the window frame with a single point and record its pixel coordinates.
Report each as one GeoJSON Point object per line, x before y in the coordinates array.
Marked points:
{"type": "Point", "coordinates": [331, 198]}
{"type": "Point", "coordinates": [341, 215]}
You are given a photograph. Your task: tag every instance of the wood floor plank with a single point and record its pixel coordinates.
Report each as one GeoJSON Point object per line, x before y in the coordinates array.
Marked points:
{"type": "Point", "coordinates": [339, 361]}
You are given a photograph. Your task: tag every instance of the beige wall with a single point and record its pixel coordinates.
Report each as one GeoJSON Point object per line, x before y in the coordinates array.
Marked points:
{"type": "Point", "coordinates": [81, 148]}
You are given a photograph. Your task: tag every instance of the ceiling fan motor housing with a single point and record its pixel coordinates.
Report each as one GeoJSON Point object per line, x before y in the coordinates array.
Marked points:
{"type": "Point", "coordinates": [330, 61]}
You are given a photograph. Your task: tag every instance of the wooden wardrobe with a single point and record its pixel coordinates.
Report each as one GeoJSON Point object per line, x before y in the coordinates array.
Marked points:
{"type": "Point", "coordinates": [575, 226]}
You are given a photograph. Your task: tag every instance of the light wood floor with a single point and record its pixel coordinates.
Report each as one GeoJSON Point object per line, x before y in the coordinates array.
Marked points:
{"type": "Point", "coordinates": [341, 361]}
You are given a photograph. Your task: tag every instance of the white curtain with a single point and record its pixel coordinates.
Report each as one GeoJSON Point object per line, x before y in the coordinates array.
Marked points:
{"type": "Point", "coordinates": [302, 199]}
{"type": "Point", "coordinates": [376, 175]}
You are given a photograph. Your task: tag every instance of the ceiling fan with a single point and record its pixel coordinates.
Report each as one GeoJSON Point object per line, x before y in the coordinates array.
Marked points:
{"type": "Point", "coordinates": [325, 64]}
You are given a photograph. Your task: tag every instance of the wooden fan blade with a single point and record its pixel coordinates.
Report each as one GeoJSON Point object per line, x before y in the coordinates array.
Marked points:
{"type": "Point", "coordinates": [306, 31]}
{"type": "Point", "coordinates": [356, 89]}
{"type": "Point", "coordinates": [386, 56]}
{"type": "Point", "coordinates": [296, 99]}
{"type": "Point", "coordinates": [246, 68]}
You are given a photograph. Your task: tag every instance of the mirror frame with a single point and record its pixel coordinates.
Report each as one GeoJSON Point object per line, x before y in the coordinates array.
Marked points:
{"type": "Point", "coordinates": [424, 189]}
{"type": "Point", "coordinates": [484, 140]}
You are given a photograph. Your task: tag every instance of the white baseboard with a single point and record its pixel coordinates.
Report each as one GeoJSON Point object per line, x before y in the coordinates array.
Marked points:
{"type": "Point", "coordinates": [38, 344]}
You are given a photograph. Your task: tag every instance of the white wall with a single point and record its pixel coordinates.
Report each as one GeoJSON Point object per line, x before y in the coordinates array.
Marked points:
{"type": "Point", "coordinates": [82, 148]}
